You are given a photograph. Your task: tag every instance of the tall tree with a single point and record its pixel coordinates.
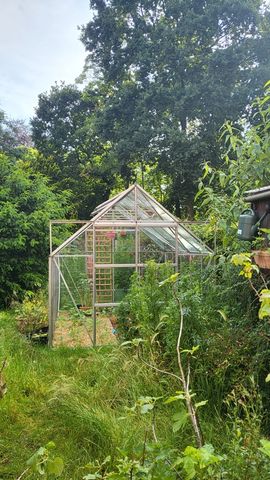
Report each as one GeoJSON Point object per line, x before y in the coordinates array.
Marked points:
{"type": "Point", "coordinates": [14, 134]}
{"type": "Point", "coordinates": [174, 70]}
{"type": "Point", "coordinates": [71, 155]}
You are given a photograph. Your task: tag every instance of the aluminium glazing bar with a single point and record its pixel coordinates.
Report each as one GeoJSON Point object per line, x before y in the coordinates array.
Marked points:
{"type": "Point", "coordinates": [94, 289]}
{"type": "Point", "coordinates": [50, 309]}
{"type": "Point", "coordinates": [107, 304]}
{"type": "Point", "coordinates": [132, 223]}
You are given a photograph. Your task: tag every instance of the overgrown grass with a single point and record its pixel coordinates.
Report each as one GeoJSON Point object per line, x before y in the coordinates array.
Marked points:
{"type": "Point", "coordinates": [74, 397]}
{"type": "Point", "coordinates": [77, 398]}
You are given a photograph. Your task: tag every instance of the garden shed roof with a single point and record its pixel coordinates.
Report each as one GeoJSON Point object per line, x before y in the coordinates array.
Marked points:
{"type": "Point", "coordinates": [257, 194]}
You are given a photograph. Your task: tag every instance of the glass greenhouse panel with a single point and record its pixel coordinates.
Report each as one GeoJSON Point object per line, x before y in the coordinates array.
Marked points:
{"type": "Point", "coordinates": [148, 210]}
{"type": "Point", "coordinates": [153, 246]}
{"type": "Point", "coordinates": [190, 243]}
{"type": "Point", "coordinates": [164, 237]}
{"type": "Point", "coordinates": [112, 284]}
{"type": "Point", "coordinates": [115, 245]}
{"type": "Point", "coordinates": [76, 282]}
{"type": "Point", "coordinates": [74, 323]}
{"type": "Point", "coordinates": [122, 210]}
{"type": "Point", "coordinates": [122, 281]}
{"type": "Point", "coordinates": [82, 244]}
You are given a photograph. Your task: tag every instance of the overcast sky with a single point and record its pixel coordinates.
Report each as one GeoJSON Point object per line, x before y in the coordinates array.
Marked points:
{"type": "Point", "coordinates": [39, 44]}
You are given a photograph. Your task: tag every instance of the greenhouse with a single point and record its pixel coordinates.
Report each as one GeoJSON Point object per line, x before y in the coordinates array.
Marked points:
{"type": "Point", "coordinates": [91, 271]}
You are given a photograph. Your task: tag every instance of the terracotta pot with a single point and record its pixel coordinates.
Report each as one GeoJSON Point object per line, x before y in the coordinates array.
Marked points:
{"type": "Point", "coordinates": [123, 233]}
{"type": "Point", "coordinates": [113, 320]}
{"type": "Point", "coordinates": [262, 258]}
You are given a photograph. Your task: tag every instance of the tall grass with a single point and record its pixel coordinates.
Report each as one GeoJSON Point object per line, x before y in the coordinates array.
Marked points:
{"type": "Point", "coordinates": [74, 397]}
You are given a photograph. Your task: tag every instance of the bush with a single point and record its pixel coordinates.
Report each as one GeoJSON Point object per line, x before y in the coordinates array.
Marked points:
{"type": "Point", "coordinates": [27, 204]}
{"type": "Point", "coordinates": [141, 310]}
{"type": "Point", "coordinates": [32, 315]}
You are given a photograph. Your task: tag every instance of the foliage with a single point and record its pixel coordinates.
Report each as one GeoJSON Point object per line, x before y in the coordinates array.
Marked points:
{"type": "Point", "coordinates": [15, 136]}
{"type": "Point", "coordinates": [165, 67]}
{"type": "Point", "coordinates": [27, 204]}
{"type": "Point", "coordinates": [45, 464]}
{"type": "Point", "coordinates": [81, 398]}
{"type": "Point", "coordinates": [71, 155]}
{"type": "Point", "coordinates": [245, 260]}
{"type": "Point", "coordinates": [75, 397]}
{"type": "Point", "coordinates": [220, 316]}
{"type": "Point", "coordinates": [265, 446]}
{"type": "Point", "coordinates": [140, 313]}
{"type": "Point", "coordinates": [248, 270]}
{"type": "Point", "coordinates": [32, 314]}
{"type": "Point", "coordinates": [245, 166]}
{"type": "Point", "coordinates": [195, 460]}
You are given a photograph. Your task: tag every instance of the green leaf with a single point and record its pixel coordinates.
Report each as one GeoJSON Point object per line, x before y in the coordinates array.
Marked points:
{"type": "Point", "coordinates": [50, 445]}
{"type": "Point", "coordinates": [265, 303]}
{"type": "Point", "coordinates": [172, 279]}
{"type": "Point", "coordinates": [192, 351]}
{"type": "Point", "coordinates": [32, 461]}
{"type": "Point", "coordinates": [267, 378]}
{"type": "Point", "coordinates": [147, 407]}
{"type": "Point", "coordinates": [55, 466]}
{"type": "Point", "coordinates": [180, 419]}
{"type": "Point", "coordinates": [265, 448]}
{"type": "Point", "coordinates": [241, 258]}
{"type": "Point", "coordinates": [189, 465]}
{"type": "Point", "coordinates": [201, 404]}
{"type": "Point", "coordinates": [223, 314]}
{"type": "Point", "coordinates": [174, 398]}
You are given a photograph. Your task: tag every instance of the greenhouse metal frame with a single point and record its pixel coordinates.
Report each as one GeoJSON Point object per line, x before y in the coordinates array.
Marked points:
{"type": "Point", "coordinates": [92, 268]}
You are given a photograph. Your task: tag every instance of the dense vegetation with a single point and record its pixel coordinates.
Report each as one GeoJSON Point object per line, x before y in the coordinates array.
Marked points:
{"type": "Point", "coordinates": [167, 74]}
{"type": "Point", "coordinates": [185, 393]}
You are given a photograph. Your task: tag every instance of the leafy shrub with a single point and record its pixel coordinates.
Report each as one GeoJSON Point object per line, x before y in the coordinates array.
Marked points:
{"type": "Point", "coordinates": [27, 204]}
{"type": "Point", "coordinates": [141, 310]}
{"type": "Point", "coordinates": [32, 315]}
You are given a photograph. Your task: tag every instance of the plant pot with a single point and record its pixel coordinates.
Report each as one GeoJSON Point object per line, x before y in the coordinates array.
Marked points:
{"type": "Point", "coordinates": [113, 320]}
{"type": "Point", "coordinates": [111, 234]}
{"type": "Point", "coordinates": [262, 259]}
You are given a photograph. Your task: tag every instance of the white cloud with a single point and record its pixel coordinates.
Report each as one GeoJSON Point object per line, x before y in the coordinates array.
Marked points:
{"type": "Point", "coordinates": [39, 44]}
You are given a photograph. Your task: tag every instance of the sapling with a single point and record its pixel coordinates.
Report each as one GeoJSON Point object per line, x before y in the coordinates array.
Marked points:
{"type": "Point", "coordinates": [184, 375]}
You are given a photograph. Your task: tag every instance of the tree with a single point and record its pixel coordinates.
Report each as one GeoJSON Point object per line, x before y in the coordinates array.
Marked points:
{"type": "Point", "coordinates": [14, 135]}
{"type": "Point", "coordinates": [71, 155]}
{"type": "Point", "coordinates": [26, 205]}
{"type": "Point", "coordinates": [245, 166]}
{"type": "Point", "coordinates": [173, 71]}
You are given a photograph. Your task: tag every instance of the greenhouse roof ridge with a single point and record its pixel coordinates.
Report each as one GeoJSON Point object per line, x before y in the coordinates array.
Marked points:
{"type": "Point", "coordinates": [135, 206]}
{"type": "Point", "coordinates": [111, 201]}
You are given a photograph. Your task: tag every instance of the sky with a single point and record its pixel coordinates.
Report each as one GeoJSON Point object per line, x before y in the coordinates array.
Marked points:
{"type": "Point", "coordinates": [39, 45]}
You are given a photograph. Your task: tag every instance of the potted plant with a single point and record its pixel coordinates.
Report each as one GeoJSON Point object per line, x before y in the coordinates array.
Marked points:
{"type": "Point", "coordinates": [111, 234]}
